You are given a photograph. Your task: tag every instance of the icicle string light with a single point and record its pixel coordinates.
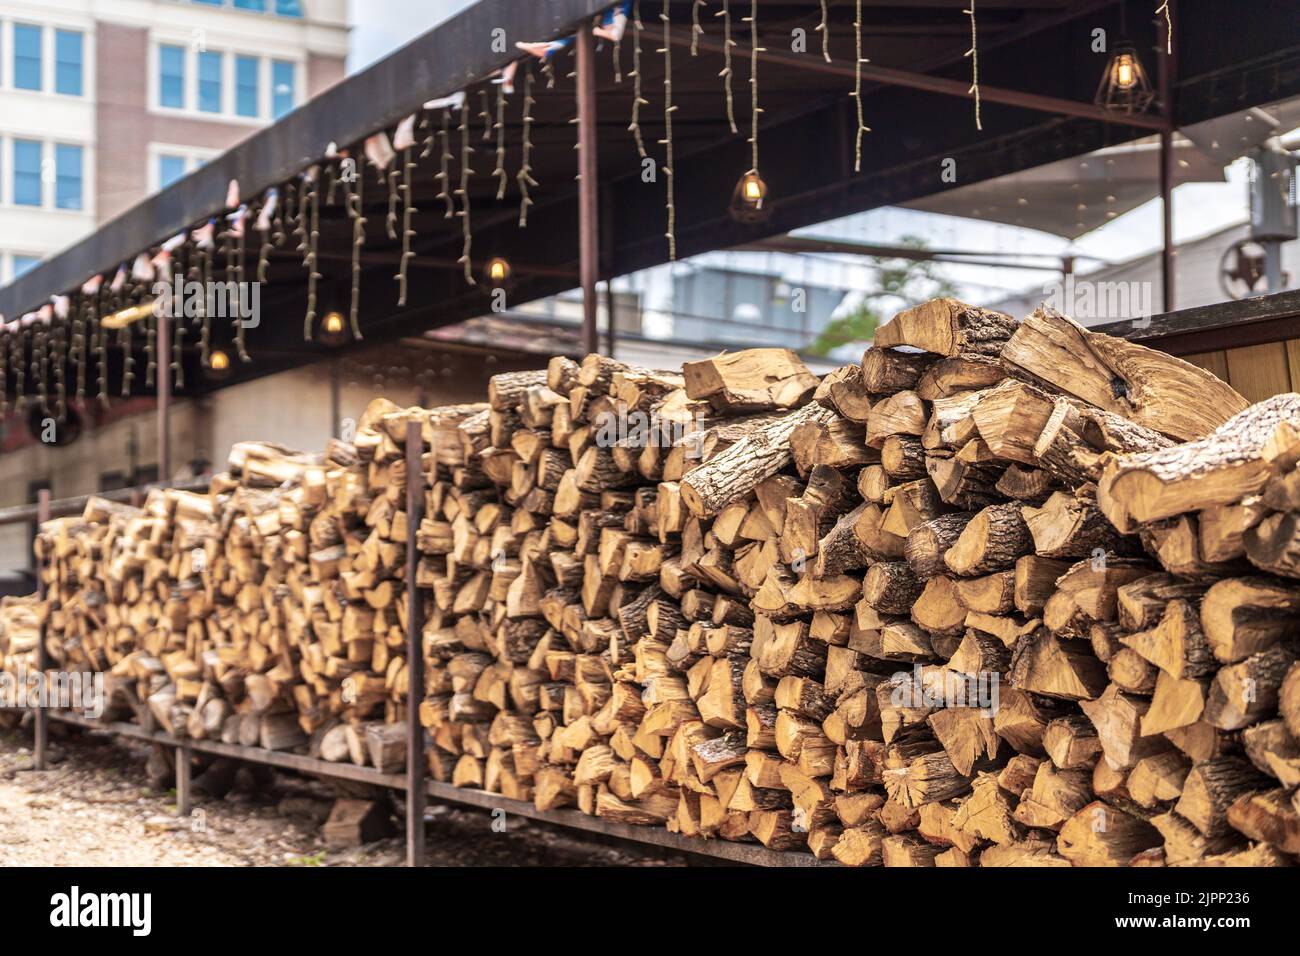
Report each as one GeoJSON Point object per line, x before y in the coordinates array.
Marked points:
{"type": "Point", "coordinates": [667, 52]}
{"type": "Point", "coordinates": [355, 197]}
{"type": "Point", "coordinates": [390, 221]}
{"type": "Point", "coordinates": [428, 144]}
{"type": "Point", "coordinates": [408, 167]}
{"type": "Point", "coordinates": [4, 373]}
{"type": "Point", "coordinates": [264, 253]}
{"type": "Point", "coordinates": [485, 115]}
{"type": "Point", "coordinates": [465, 172]}
{"type": "Point", "coordinates": [178, 355]}
{"type": "Point", "coordinates": [101, 341]}
{"type": "Point", "coordinates": [150, 349]}
{"type": "Point", "coordinates": [60, 382]}
{"type": "Point", "coordinates": [18, 359]}
{"type": "Point", "coordinates": [824, 29]}
{"type": "Point", "coordinates": [41, 366]}
{"type": "Point", "coordinates": [754, 111]}
{"type": "Point", "coordinates": [637, 100]}
{"type": "Point", "coordinates": [858, 60]}
{"type": "Point", "coordinates": [697, 31]}
{"type": "Point", "coordinates": [503, 179]}
{"type": "Point", "coordinates": [128, 372]}
{"type": "Point", "coordinates": [313, 244]}
{"type": "Point", "coordinates": [78, 347]}
{"type": "Point", "coordinates": [1169, 25]}
{"type": "Point", "coordinates": [525, 176]}
{"type": "Point", "coordinates": [444, 166]}
{"type": "Point", "coordinates": [974, 55]}
{"type": "Point", "coordinates": [727, 73]}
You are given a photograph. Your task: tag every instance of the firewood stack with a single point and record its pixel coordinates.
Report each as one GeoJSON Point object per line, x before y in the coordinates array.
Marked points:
{"type": "Point", "coordinates": [268, 612]}
{"type": "Point", "coordinates": [1002, 594]}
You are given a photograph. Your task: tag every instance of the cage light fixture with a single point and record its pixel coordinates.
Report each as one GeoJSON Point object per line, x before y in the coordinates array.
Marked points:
{"type": "Point", "coordinates": [749, 200]}
{"type": "Point", "coordinates": [333, 328]}
{"type": "Point", "coordinates": [1125, 86]}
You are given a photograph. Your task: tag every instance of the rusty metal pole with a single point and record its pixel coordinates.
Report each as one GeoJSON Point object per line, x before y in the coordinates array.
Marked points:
{"type": "Point", "coordinates": [1166, 83]}
{"type": "Point", "coordinates": [415, 759]}
{"type": "Point", "coordinates": [588, 203]}
{"type": "Point", "coordinates": [164, 350]}
{"type": "Point", "coordinates": [42, 719]}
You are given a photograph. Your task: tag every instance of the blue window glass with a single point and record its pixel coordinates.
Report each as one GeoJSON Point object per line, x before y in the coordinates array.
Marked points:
{"type": "Point", "coordinates": [23, 264]}
{"type": "Point", "coordinates": [27, 57]}
{"type": "Point", "coordinates": [258, 5]}
{"type": "Point", "coordinates": [171, 76]}
{"type": "Point", "coordinates": [288, 8]}
{"type": "Point", "coordinates": [67, 62]}
{"type": "Point", "coordinates": [27, 172]}
{"type": "Point", "coordinates": [210, 82]}
{"type": "Point", "coordinates": [211, 3]}
{"type": "Point", "coordinates": [67, 176]}
{"type": "Point", "coordinates": [170, 169]}
{"type": "Point", "coordinates": [246, 85]}
{"type": "Point", "coordinates": [282, 83]}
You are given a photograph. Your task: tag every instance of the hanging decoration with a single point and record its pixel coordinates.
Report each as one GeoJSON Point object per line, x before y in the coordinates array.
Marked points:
{"type": "Point", "coordinates": [749, 200]}
{"type": "Point", "coordinates": [637, 100]}
{"type": "Point", "coordinates": [697, 31]}
{"type": "Point", "coordinates": [499, 126]}
{"type": "Point", "coordinates": [858, 60]}
{"type": "Point", "coordinates": [444, 166]}
{"type": "Point", "coordinates": [1169, 26]}
{"type": "Point", "coordinates": [485, 115]}
{"type": "Point", "coordinates": [264, 220]}
{"type": "Point", "coordinates": [667, 141]}
{"type": "Point", "coordinates": [974, 55]}
{"type": "Point", "coordinates": [355, 211]}
{"type": "Point", "coordinates": [824, 28]}
{"type": "Point", "coordinates": [408, 211]}
{"type": "Point", "coordinates": [726, 74]}
{"type": "Point", "coordinates": [525, 175]}
{"type": "Point", "coordinates": [312, 184]}
{"type": "Point", "coordinates": [463, 192]}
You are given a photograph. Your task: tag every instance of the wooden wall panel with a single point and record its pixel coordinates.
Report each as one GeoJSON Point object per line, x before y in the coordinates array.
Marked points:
{"type": "Point", "coordinates": [1215, 363]}
{"type": "Point", "coordinates": [1259, 371]}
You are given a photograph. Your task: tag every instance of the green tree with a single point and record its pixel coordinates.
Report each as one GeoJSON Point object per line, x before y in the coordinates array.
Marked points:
{"type": "Point", "coordinates": [905, 280]}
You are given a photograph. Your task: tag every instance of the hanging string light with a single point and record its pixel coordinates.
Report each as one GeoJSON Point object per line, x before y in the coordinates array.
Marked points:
{"type": "Point", "coordinates": [60, 330]}
{"type": "Point", "coordinates": [150, 349]}
{"type": "Point", "coordinates": [463, 192]}
{"type": "Point", "coordinates": [667, 141]}
{"type": "Point", "coordinates": [485, 115]}
{"type": "Point", "coordinates": [444, 166]}
{"type": "Point", "coordinates": [18, 359]}
{"type": "Point", "coordinates": [825, 30]}
{"type": "Point", "coordinates": [101, 337]}
{"type": "Point", "coordinates": [4, 370]}
{"type": "Point", "coordinates": [355, 197]}
{"type": "Point", "coordinates": [1169, 26]}
{"type": "Point", "coordinates": [749, 200]}
{"type": "Point", "coordinates": [429, 138]}
{"type": "Point", "coordinates": [637, 100]}
{"type": "Point", "coordinates": [408, 210]}
{"type": "Point", "coordinates": [500, 126]}
{"type": "Point", "coordinates": [697, 31]}
{"type": "Point", "coordinates": [726, 74]}
{"type": "Point", "coordinates": [857, 88]}
{"type": "Point", "coordinates": [618, 60]}
{"type": "Point", "coordinates": [40, 365]}
{"type": "Point", "coordinates": [974, 55]}
{"type": "Point", "coordinates": [78, 353]}
{"type": "Point", "coordinates": [313, 242]}
{"type": "Point", "coordinates": [525, 176]}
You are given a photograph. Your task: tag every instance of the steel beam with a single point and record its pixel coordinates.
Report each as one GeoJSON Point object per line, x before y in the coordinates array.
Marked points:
{"type": "Point", "coordinates": [415, 761]}
{"type": "Point", "coordinates": [588, 202]}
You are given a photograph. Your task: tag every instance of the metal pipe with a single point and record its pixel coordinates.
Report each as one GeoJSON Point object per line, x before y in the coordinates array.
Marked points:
{"type": "Point", "coordinates": [25, 514]}
{"type": "Point", "coordinates": [1167, 172]}
{"type": "Point", "coordinates": [933, 84]}
{"type": "Point", "coordinates": [415, 758]}
{"type": "Point", "coordinates": [41, 718]}
{"type": "Point", "coordinates": [588, 203]}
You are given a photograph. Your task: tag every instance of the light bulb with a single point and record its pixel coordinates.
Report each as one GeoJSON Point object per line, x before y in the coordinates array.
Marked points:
{"type": "Point", "coordinates": [1125, 75]}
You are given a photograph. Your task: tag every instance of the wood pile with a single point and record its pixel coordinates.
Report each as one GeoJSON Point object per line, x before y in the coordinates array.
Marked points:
{"type": "Point", "coordinates": [1001, 594]}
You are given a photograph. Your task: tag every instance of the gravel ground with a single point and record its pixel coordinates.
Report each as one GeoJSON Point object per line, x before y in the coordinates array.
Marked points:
{"type": "Point", "coordinates": [92, 808]}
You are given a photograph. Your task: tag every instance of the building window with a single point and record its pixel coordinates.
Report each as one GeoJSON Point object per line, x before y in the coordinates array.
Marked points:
{"type": "Point", "coordinates": [67, 62]}
{"type": "Point", "coordinates": [282, 83]}
{"type": "Point", "coordinates": [258, 5]}
{"type": "Point", "coordinates": [27, 57]}
{"type": "Point", "coordinates": [171, 76]}
{"type": "Point", "coordinates": [246, 85]}
{"type": "Point", "coordinates": [170, 169]}
{"type": "Point", "coordinates": [27, 172]}
{"type": "Point", "coordinates": [24, 264]}
{"type": "Point", "coordinates": [67, 176]}
{"type": "Point", "coordinates": [288, 8]}
{"type": "Point", "coordinates": [210, 82]}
